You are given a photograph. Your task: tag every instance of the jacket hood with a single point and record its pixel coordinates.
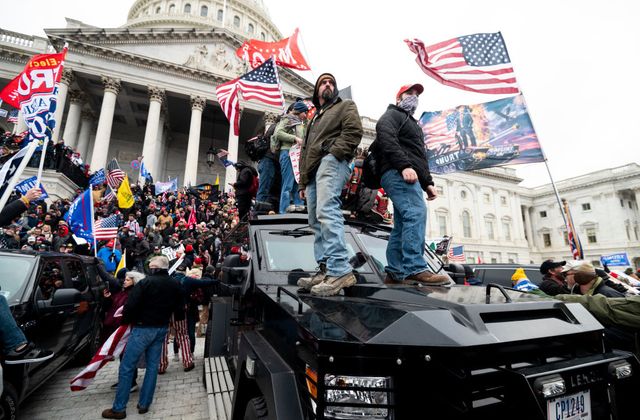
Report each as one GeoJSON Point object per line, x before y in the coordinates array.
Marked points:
{"type": "Point", "coordinates": [316, 98]}
{"type": "Point", "coordinates": [242, 164]}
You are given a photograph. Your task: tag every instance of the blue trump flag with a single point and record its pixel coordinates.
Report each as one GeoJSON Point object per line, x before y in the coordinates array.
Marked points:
{"type": "Point", "coordinates": [29, 183]}
{"type": "Point", "coordinates": [98, 178]}
{"type": "Point", "coordinates": [80, 216]}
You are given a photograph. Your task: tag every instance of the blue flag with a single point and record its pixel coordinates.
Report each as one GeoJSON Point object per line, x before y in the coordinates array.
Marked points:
{"type": "Point", "coordinates": [79, 216]}
{"type": "Point", "coordinates": [29, 183]}
{"type": "Point", "coordinates": [143, 171]}
{"type": "Point", "coordinates": [98, 177]}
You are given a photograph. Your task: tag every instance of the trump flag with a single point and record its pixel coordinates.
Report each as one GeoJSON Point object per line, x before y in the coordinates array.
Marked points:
{"type": "Point", "coordinates": [80, 216]}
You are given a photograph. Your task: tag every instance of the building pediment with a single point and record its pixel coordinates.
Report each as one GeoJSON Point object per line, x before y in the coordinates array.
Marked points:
{"type": "Point", "coordinates": [206, 55]}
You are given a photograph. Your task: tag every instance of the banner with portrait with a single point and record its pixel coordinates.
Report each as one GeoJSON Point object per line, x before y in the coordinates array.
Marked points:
{"type": "Point", "coordinates": [480, 136]}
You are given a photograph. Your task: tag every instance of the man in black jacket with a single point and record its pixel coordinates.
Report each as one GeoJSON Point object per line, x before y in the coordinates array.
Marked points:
{"type": "Point", "coordinates": [400, 149]}
{"type": "Point", "coordinates": [553, 282]}
{"type": "Point", "coordinates": [244, 194]}
{"type": "Point", "coordinates": [148, 309]}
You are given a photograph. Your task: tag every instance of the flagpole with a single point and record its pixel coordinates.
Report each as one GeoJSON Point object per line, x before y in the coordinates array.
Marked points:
{"type": "Point", "coordinates": [93, 230]}
{"type": "Point", "coordinates": [306, 55]}
{"type": "Point", "coordinates": [546, 162]}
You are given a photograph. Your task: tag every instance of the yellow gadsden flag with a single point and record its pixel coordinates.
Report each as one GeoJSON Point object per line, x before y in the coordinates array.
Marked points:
{"type": "Point", "coordinates": [125, 196]}
{"type": "Point", "coordinates": [217, 180]}
{"type": "Point", "coordinates": [123, 261]}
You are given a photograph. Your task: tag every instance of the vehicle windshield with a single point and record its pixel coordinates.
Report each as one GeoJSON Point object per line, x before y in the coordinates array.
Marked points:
{"type": "Point", "coordinates": [287, 250]}
{"type": "Point", "coordinates": [13, 276]}
{"type": "Point", "coordinates": [377, 249]}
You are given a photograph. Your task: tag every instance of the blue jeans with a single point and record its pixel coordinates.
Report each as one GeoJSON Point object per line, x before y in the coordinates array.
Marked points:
{"type": "Point", "coordinates": [10, 334]}
{"type": "Point", "coordinates": [266, 171]}
{"type": "Point", "coordinates": [147, 340]}
{"type": "Point", "coordinates": [325, 215]}
{"type": "Point", "coordinates": [405, 249]}
{"type": "Point", "coordinates": [289, 184]}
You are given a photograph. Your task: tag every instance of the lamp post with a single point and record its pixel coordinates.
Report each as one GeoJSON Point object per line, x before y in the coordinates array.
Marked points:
{"type": "Point", "coordinates": [211, 156]}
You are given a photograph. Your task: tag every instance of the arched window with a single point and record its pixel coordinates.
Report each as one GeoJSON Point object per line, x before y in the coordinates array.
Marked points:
{"type": "Point", "coordinates": [250, 28]}
{"type": "Point", "coordinates": [172, 8]}
{"type": "Point", "coordinates": [236, 21]}
{"type": "Point", "coordinates": [187, 8]}
{"type": "Point", "coordinates": [490, 226]}
{"type": "Point", "coordinates": [263, 36]}
{"type": "Point", "coordinates": [204, 11]}
{"type": "Point", "coordinates": [466, 224]}
{"type": "Point", "coordinates": [158, 9]}
{"type": "Point", "coordinates": [220, 15]}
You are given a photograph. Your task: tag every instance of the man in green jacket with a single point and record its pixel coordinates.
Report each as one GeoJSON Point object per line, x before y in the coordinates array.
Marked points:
{"type": "Point", "coordinates": [619, 316]}
{"type": "Point", "coordinates": [330, 143]}
{"type": "Point", "coordinates": [289, 131]}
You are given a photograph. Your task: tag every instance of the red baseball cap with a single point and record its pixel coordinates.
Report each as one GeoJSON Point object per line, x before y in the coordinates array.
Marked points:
{"type": "Point", "coordinates": [417, 86]}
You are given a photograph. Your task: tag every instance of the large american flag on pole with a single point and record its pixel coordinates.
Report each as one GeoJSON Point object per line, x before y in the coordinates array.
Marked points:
{"type": "Point", "coordinates": [477, 63]}
{"type": "Point", "coordinates": [260, 84]}
{"type": "Point", "coordinates": [107, 228]}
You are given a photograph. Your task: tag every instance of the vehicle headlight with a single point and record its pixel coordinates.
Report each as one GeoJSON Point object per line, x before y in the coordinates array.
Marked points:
{"type": "Point", "coordinates": [359, 391]}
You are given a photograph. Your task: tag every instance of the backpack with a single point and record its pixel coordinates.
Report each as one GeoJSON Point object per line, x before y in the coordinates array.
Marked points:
{"type": "Point", "coordinates": [258, 146]}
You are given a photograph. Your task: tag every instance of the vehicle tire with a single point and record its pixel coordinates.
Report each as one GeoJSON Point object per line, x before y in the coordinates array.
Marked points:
{"type": "Point", "coordinates": [86, 354]}
{"type": "Point", "coordinates": [256, 409]}
{"type": "Point", "coordinates": [9, 403]}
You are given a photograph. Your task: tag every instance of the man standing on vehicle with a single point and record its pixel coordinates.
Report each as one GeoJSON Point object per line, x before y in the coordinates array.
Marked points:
{"type": "Point", "coordinates": [553, 281]}
{"type": "Point", "coordinates": [330, 143]}
{"type": "Point", "coordinates": [399, 148]}
{"type": "Point", "coordinates": [148, 309]}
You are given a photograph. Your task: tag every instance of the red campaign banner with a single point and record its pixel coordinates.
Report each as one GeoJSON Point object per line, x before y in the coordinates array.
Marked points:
{"type": "Point", "coordinates": [39, 77]}
{"type": "Point", "coordinates": [286, 52]}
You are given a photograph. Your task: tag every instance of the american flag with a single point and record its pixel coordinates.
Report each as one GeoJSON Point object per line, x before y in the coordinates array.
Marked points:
{"type": "Point", "coordinates": [107, 228]}
{"type": "Point", "coordinates": [456, 253]}
{"type": "Point", "coordinates": [572, 235]}
{"type": "Point", "coordinates": [441, 131]}
{"type": "Point", "coordinates": [13, 116]}
{"type": "Point", "coordinates": [477, 63]}
{"type": "Point", "coordinates": [115, 175]}
{"type": "Point", "coordinates": [109, 194]}
{"type": "Point", "coordinates": [261, 84]}
{"type": "Point", "coordinates": [112, 348]}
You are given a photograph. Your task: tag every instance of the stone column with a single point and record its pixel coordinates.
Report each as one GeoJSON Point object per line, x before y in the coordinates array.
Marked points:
{"type": "Point", "coordinates": [230, 172]}
{"type": "Point", "coordinates": [158, 152]}
{"type": "Point", "coordinates": [103, 132]}
{"type": "Point", "coordinates": [70, 136]}
{"type": "Point", "coordinates": [86, 124]}
{"type": "Point", "coordinates": [20, 126]}
{"type": "Point", "coordinates": [150, 146]}
{"type": "Point", "coordinates": [63, 88]}
{"type": "Point", "coordinates": [527, 227]}
{"type": "Point", "coordinates": [191, 166]}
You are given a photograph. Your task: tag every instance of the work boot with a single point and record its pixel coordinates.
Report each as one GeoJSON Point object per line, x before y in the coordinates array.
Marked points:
{"type": "Point", "coordinates": [389, 279]}
{"type": "Point", "coordinates": [427, 277]}
{"type": "Point", "coordinates": [332, 285]}
{"type": "Point", "coordinates": [110, 414]}
{"type": "Point", "coordinates": [317, 278]}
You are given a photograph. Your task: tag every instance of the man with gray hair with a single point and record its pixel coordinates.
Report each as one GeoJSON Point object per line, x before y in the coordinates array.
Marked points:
{"type": "Point", "coordinates": [148, 309]}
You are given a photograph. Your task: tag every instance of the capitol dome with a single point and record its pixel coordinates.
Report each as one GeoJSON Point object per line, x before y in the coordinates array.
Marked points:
{"type": "Point", "coordinates": [245, 18]}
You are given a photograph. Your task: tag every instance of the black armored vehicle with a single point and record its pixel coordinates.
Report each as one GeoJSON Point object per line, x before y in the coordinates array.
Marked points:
{"type": "Point", "coordinates": [406, 351]}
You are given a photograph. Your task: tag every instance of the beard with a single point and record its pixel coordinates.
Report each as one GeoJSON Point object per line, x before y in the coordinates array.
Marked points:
{"type": "Point", "coordinates": [327, 94]}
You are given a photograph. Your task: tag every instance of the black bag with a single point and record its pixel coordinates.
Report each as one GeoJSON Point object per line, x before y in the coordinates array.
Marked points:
{"type": "Point", "coordinates": [257, 147]}
{"type": "Point", "coordinates": [371, 175]}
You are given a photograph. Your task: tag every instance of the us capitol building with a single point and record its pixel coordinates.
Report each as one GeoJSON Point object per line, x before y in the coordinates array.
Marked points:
{"type": "Point", "coordinates": [147, 89]}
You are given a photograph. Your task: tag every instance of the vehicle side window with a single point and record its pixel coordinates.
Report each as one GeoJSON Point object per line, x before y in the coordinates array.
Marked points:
{"type": "Point", "coordinates": [51, 279]}
{"type": "Point", "coordinates": [501, 277]}
{"type": "Point", "coordinates": [77, 275]}
{"type": "Point", "coordinates": [92, 273]}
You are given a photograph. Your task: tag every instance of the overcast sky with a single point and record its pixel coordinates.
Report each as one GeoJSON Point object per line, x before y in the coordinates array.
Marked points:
{"type": "Point", "coordinates": [576, 61]}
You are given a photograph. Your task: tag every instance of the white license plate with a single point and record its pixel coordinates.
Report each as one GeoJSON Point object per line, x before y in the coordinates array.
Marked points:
{"type": "Point", "coordinates": [570, 407]}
